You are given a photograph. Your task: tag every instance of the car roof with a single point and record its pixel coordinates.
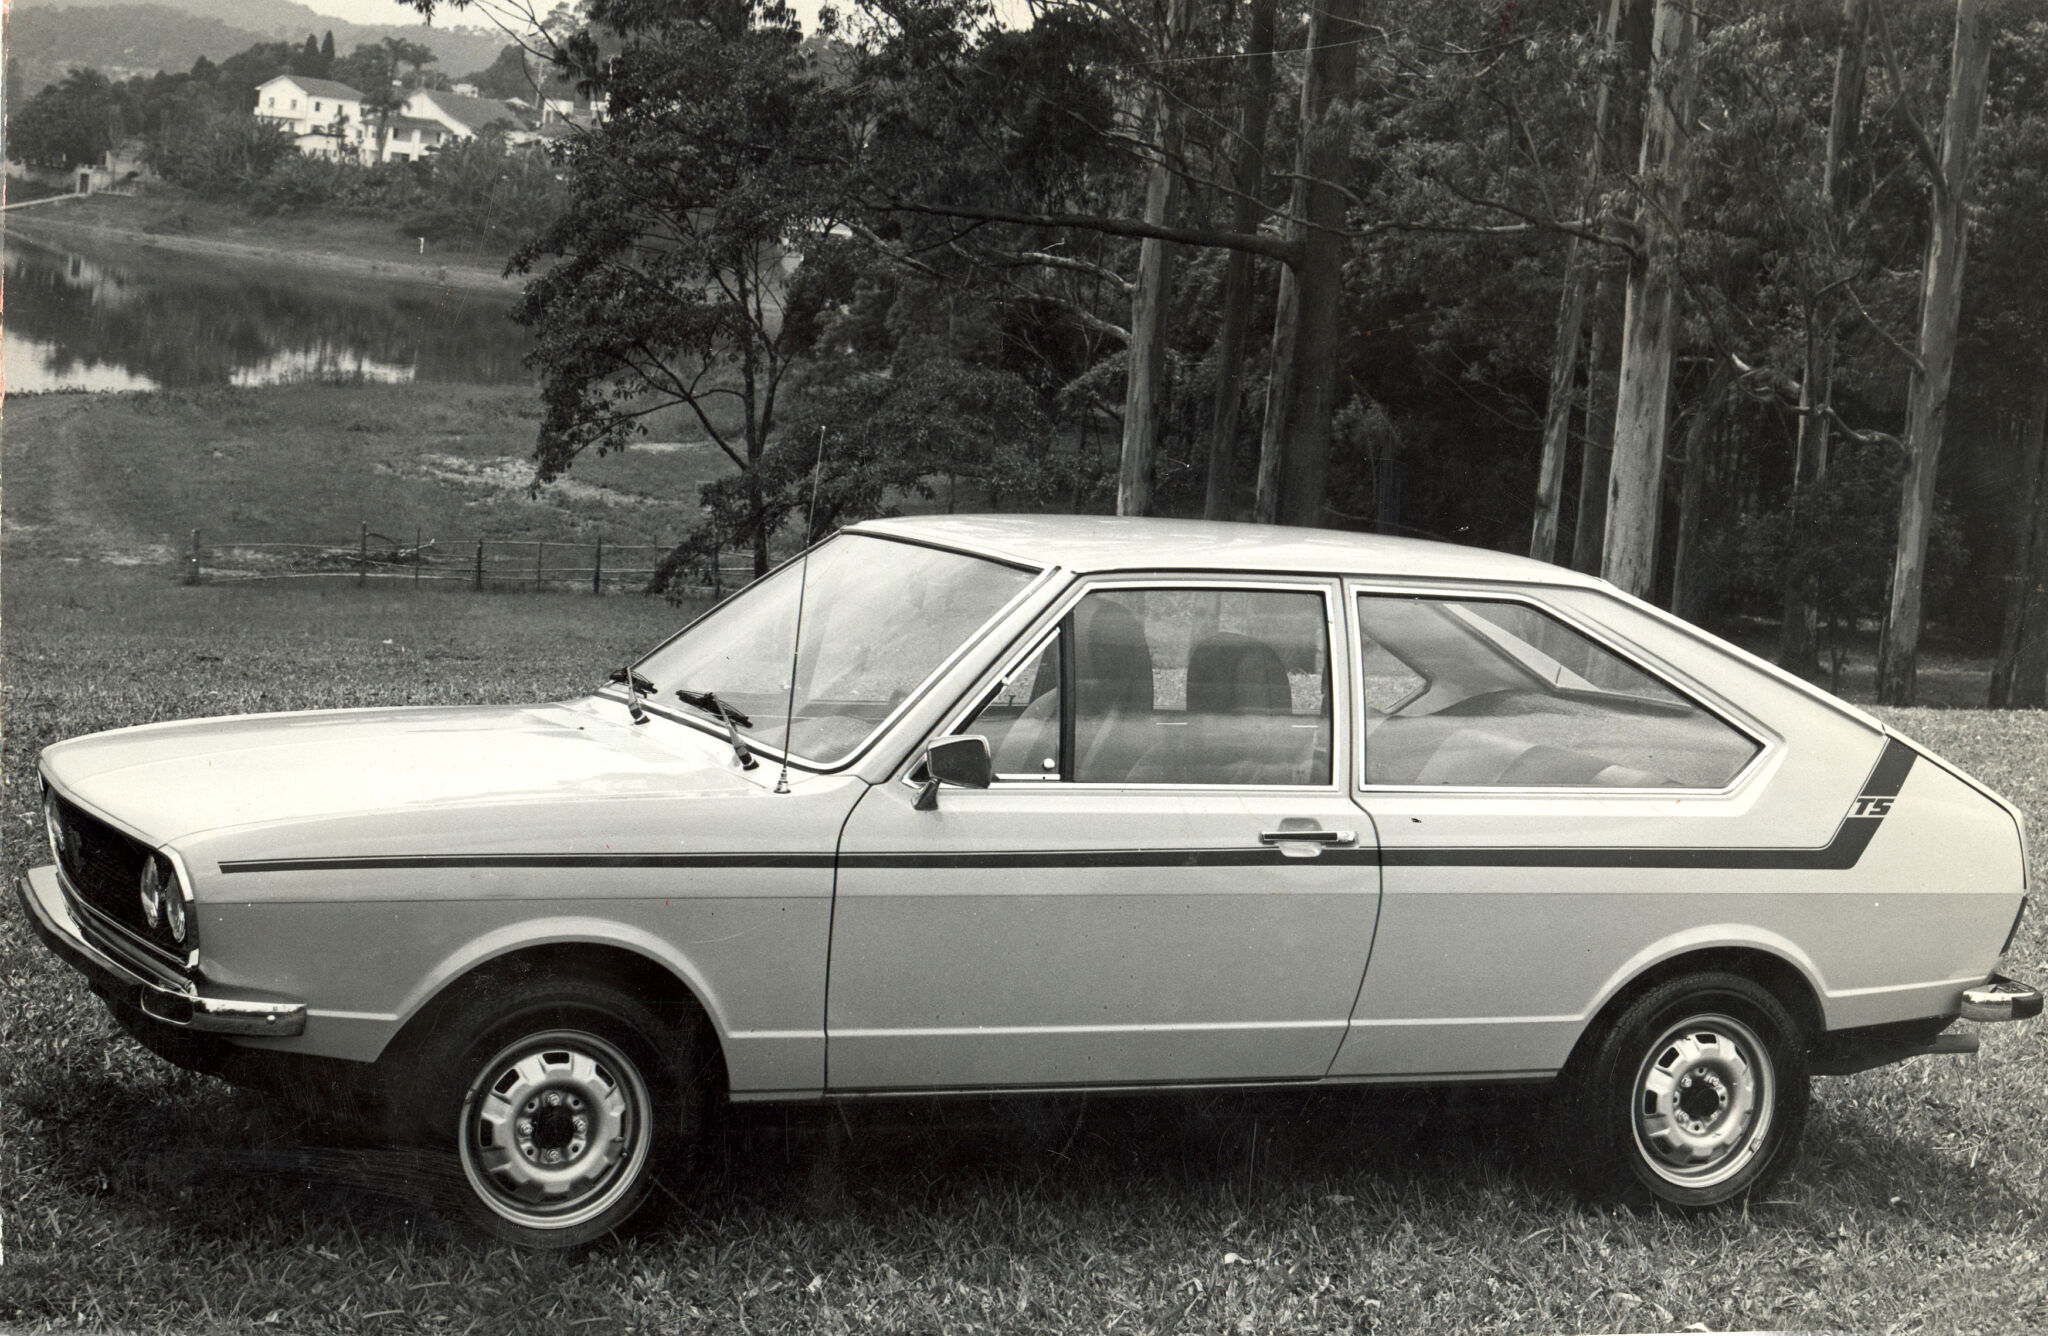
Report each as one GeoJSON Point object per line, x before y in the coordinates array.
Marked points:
{"type": "Point", "coordinates": [1097, 543]}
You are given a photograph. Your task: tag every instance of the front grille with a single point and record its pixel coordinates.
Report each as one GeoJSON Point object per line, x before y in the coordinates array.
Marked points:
{"type": "Point", "coordinates": [104, 867]}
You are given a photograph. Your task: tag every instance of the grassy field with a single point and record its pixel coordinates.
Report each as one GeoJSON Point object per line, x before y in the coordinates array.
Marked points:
{"type": "Point", "coordinates": [140, 1197]}
{"type": "Point", "coordinates": [127, 477]}
{"type": "Point", "coordinates": [137, 1197]}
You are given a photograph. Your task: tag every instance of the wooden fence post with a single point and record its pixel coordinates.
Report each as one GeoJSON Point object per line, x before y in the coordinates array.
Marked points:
{"type": "Point", "coordinates": [717, 571]}
{"type": "Point", "coordinates": [597, 568]}
{"type": "Point", "coordinates": [363, 557]}
{"type": "Point", "coordinates": [479, 565]}
{"type": "Point", "coordinates": [540, 550]}
{"type": "Point", "coordinates": [192, 562]}
{"type": "Point", "coordinates": [416, 555]}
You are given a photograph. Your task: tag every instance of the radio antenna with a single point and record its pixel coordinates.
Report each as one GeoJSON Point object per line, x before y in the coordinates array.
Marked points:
{"type": "Point", "coordinates": [803, 579]}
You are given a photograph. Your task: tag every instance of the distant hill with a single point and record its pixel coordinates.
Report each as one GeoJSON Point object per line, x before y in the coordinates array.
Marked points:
{"type": "Point", "coordinates": [117, 40]}
{"type": "Point", "coordinates": [121, 37]}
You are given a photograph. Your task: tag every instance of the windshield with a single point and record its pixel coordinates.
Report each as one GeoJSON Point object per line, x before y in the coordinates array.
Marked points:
{"type": "Point", "coordinates": [879, 618]}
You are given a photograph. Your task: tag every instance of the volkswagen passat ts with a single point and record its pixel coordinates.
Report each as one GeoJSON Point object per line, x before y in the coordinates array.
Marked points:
{"type": "Point", "coordinates": [998, 803]}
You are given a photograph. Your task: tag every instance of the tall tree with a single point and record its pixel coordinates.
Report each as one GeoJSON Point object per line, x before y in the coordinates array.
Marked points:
{"type": "Point", "coordinates": [2020, 677]}
{"type": "Point", "coordinates": [1301, 399]}
{"type": "Point", "coordinates": [1247, 180]}
{"type": "Point", "coordinates": [1799, 629]}
{"type": "Point", "coordinates": [1635, 492]}
{"type": "Point", "coordinates": [717, 162]}
{"type": "Point", "coordinates": [1949, 170]}
{"type": "Point", "coordinates": [1145, 379]}
{"type": "Point", "coordinates": [1579, 278]}
{"type": "Point", "coordinates": [1603, 353]}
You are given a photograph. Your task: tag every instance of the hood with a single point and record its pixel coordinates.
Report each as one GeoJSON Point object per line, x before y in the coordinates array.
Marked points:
{"type": "Point", "coordinates": [168, 782]}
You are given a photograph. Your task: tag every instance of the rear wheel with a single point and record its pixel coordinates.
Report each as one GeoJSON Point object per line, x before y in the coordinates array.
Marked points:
{"type": "Point", "coordinates": [566, 1099]}
{"type": "Point", "coordinates": [1695, 1094]}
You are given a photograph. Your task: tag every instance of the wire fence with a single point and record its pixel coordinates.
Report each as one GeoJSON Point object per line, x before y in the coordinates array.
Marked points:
{"type": "Point", "coordinates": [478, 563]}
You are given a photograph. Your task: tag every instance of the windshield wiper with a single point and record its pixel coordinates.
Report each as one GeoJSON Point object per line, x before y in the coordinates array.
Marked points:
{"type": "Point", "coordinates": [709, 702]}
{"type": "Point", "coordinates": [636, 686]}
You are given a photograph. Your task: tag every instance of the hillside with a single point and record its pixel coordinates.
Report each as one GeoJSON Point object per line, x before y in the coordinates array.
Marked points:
{"type": "Point", "coordinates": [116, 40]}
{"type": "Point", "coordinates": [122, 37]}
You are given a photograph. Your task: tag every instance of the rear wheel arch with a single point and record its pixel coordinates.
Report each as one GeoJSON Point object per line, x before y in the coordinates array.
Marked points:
{"type": "Point", "coordinates": [1785, 980]}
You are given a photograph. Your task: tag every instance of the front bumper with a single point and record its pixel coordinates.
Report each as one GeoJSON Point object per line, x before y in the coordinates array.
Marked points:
{"type": "Point", "coordinates": [186, 1007]}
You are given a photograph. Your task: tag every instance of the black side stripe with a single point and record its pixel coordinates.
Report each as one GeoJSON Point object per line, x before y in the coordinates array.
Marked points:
{"type": "Point", "coordinates": [1048, 858]}
{"type": "Point", "coordinates": [1841, 853]}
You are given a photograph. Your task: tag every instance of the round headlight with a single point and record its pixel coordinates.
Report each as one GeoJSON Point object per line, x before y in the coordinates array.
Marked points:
{"type": "Point", "coordinates": [151, 892]}
{"type": "Point", "coordinates": [53, 821]}
{"type": "Point", "coordinates": [174, 912]}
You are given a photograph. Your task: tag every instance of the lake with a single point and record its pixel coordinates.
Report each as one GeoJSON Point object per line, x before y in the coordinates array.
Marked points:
{"type": "Point", "coordinates": [106, 316]}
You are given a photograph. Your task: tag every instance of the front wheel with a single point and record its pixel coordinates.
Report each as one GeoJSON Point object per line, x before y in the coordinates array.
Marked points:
{"type": "Point", "coordinates": [566, 1104]}
{"type": "Point", "coordinates": [1695, 1094]}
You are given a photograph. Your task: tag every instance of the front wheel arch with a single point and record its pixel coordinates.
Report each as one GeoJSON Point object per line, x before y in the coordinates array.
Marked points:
{"type": "Point", "coordinates": [645, 979]}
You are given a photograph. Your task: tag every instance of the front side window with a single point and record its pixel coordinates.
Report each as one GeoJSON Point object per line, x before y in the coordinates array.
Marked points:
{"type": "Point", "coordinates": [1490, 693]}
{"type": "Point", "coordinates": [1225, 686]}
{"type": "Point", "coordinates": [879, 617]}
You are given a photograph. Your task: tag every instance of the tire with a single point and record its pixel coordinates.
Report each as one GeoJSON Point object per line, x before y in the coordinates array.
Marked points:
{"type": "Point", "coordinates": [564, 1101]}
{"type": "Point", "coordinates": [1695, 1094]}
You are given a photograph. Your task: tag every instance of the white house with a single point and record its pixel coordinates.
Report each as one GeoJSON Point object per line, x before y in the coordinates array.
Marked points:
{"type": "Point", "coordinates": [462, 117]}
{"type": "Point", "coordinates": [325, 118]}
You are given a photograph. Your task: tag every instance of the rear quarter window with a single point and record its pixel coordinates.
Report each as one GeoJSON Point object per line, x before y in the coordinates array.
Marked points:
{"type": "Point", "coordinates": [1464, 693]}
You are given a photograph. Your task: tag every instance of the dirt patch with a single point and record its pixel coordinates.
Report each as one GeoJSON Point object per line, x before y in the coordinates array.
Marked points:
{"type": "Point", "coordinates": [510, 477]}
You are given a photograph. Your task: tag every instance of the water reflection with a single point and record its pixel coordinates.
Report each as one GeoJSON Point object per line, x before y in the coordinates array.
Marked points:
{"type": "Point", "coordinates": [112, 317]}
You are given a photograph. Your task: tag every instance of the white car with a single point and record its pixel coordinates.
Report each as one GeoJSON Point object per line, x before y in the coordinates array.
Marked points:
{"type": "Point", "coordinates": [1057, 804]}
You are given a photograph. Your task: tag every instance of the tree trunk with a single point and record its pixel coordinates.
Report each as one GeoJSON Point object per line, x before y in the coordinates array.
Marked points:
{"type": "Point", "coordinates": [1941, 296]}
{"type": "Point", "coordinates": [1799, 631]}
{"type": "Point", "coordinates": [1322, 163]}
{"type": "Point", "coordinates": [1690, 589]}
{"type": "Point", "coordinates": [1596, 452]}
{"type": "Point", "coordinates": [1279, 394]}
{"type": "Point", "coordinates": [1247, 176]}
{"type": "Point", "coordinates": [1603, 357]}
{"type": "Point", "coordinates": [1571, 323]}
{"type": "Point", "coordinates": [1649, 324]}
{"type": "Point", "coordinates": [2021, 677]}
{"type": "Point", "coordinates": [1145, 372]}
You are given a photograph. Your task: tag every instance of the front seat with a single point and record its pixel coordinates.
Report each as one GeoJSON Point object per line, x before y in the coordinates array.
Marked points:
{"type": "Point", "coordinates": [1240, 726]}
{"type": "Point", "coordinates": [1112, 691]}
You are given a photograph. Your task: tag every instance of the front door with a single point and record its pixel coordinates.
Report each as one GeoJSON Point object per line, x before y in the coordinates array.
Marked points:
{"type": "Point", "coordinates": [1167, 883]}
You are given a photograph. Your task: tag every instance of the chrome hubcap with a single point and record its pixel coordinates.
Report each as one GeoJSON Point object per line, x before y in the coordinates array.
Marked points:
{"type": "Point", "coordinates": [1703, 1101]}
{"type": "Point", "coordinates": [555, 1129]}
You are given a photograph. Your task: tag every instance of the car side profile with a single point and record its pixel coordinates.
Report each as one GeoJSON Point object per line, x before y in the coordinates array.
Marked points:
{"type": "Point", "coordinates": [998, 803]}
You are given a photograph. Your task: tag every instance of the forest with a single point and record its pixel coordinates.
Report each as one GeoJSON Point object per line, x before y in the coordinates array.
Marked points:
{"type": "Point", "coordinates": [1737, 305]}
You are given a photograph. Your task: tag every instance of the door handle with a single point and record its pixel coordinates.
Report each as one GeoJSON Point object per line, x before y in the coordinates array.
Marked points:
{"type": "Point", "coordinates": [1335, 839]}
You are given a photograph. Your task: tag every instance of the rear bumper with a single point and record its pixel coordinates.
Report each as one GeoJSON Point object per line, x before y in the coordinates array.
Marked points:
{"type": "Point", "coordinates": [2001, 999]}
{"type": "Point", "coordinates": [186, 1008]}
{"type": "Point", "coordinates": [1844, 1052]}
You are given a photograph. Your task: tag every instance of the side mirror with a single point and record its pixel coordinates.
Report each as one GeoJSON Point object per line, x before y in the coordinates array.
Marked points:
{"type": "Point", "coordinates": [963, 760]}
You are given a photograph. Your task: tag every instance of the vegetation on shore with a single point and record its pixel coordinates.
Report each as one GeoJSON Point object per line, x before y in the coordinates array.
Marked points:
{"type": "Point", "coordinates": [173, 217]}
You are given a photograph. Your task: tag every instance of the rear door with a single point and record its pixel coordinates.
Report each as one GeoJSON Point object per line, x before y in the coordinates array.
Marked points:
{"type": "Point", "coordinates": [1167, 883]}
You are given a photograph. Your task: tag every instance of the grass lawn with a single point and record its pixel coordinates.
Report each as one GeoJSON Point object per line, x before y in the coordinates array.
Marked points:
{"type": "Point", "coordinates": [138, 1197]}
{"type": "Point", "coordinates": [127, 477]}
